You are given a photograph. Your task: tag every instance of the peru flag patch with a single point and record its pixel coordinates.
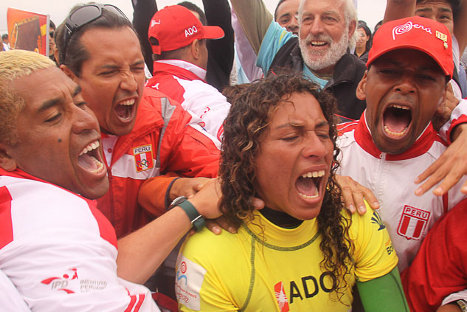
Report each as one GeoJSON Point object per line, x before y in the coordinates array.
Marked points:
{"type": "Point", "coordinates": [413, 222]}
{"type": "Point", "coordinates": [143, 157]}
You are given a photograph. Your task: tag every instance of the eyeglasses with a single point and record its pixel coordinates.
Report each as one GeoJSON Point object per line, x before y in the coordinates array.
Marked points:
{"type": "Point", "coordinates": [83, 16]}
{"type": "Point", "coordinates": [51, 34]}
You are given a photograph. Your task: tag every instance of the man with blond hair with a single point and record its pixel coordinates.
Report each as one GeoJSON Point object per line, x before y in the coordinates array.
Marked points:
{"type": "Point", "coordinates": [49, 153]}
{"type": "Point", "coordinates": [57, 250]}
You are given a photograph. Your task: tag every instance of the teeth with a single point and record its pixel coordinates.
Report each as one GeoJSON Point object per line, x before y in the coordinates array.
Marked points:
{"type": "Point", "coordinates": [318, 43]}
{"type": "Point", "coordinates": [308, 196]}
{"type": "Point", "coordinates": [314, 174]}
{"type": "Point", "coordinates": [400, 107]}
{"type": "Point", "coordinates": [386, 129]}
{"type": "Point", "coordinates": [128, 102]}
{"type": "Point", "coordinates": [98, 164]}
{"type": "Point", "coordinates": [89, 148]}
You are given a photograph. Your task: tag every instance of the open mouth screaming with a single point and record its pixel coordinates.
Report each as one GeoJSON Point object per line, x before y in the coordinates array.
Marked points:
{"type": "Point", "coordinates": [90, 159]}
{"type": "Point", "coordinates": [125, 109]}
{"type": "Point", "coordinates": [396, 120]}
{"type": "Point", "coordinates": [309, 184]}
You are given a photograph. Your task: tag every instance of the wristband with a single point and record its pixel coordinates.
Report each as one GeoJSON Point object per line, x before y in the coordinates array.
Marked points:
{"type": "Point", "coordinates": [167, 202]}
{"type": "Point", "coordinates": [196, 219]}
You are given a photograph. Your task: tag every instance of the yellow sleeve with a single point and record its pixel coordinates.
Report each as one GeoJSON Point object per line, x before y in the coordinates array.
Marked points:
{"type": "Point", "coordinates": [374, 254]}
{"type": "Point", "coordinates": [205, 273]}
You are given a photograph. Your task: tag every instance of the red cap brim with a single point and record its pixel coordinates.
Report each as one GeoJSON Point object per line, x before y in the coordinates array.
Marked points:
{"type": "Point", "coordinates": [213, 32]}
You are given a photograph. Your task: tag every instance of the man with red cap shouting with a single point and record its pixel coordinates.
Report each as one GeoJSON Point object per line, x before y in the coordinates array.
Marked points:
{"type": "Point", "coordinates": [178, 41]}
{"type": "Point", "coordinates": [409, 67]}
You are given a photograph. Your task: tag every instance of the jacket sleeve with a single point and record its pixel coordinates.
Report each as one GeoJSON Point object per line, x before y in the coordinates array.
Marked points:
{"type": "Point", "coordinates": [185, 148]}
{"type": "Point", "coordinates": [254, 18]}
{"type": "Point", "coordinates": [460, 295]}
{"type": "Point", "coordinates": [458, 116]}
{"type": "Point", "coordinates": [221, 51]}
{"type": "Point", "coordinates": [62, 257]}
{"type": "Point", "coordinates": [153, 194]}
{"type": "Point", "coordinates": [10, 298]}
{"type": "Point", "coordinates": [143, 10]}
{"type": "Point", "coordinates": [437, 275]}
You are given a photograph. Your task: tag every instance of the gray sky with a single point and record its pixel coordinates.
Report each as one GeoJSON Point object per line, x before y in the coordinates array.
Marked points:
{"type": "Point", "coordinates": [370, 11]}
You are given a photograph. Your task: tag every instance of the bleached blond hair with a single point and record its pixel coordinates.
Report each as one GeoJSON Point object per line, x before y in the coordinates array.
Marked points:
{"type": "Point", "coordinates": [15, 64]}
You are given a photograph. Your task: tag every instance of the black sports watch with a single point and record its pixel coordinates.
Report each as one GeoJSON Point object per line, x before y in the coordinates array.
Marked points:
{"type": "Point", "coordinates": [196, 219]}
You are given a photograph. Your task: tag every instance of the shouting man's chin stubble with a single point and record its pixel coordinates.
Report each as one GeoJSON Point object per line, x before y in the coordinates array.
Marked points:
{"type": "Point", "coordinates": [316, 60]}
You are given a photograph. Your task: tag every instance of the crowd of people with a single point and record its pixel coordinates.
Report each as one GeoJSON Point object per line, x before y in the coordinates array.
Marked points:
{"type": "Point", "coordinates": [135, 175]}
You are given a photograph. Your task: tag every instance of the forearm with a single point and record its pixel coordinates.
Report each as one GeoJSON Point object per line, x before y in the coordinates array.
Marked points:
{"type": "Point", "coordinates": [450, 307]}
{"type": "Point", "coordinates": [254, 19]}
{"type": "Point", "coordinates": [142, 252]}
{"type": "Point", "coordinates": [458, 130]}
{"type": "Point", "coordinates": [396, 9]}
{"type": "Point", "coordinates": [383, 294]}
{"type": "Point", "coordinates": [153, 194]}
{"type": "Point", "coordinates": [448, 302]}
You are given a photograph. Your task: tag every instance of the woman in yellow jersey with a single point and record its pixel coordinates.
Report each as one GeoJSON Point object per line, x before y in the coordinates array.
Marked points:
{"type": "Point", "coordinates": [303, 251]}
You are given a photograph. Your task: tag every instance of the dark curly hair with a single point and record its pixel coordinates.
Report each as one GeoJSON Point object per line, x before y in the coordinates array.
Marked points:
{"type": "Point", "coordinates": [248, 119]}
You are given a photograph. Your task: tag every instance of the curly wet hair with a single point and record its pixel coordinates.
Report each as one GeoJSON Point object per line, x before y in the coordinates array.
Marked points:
{"type": "Point", "coordinates": [249, 117]}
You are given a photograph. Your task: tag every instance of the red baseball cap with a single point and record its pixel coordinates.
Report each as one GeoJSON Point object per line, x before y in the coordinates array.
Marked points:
{"type": "Point", "coordinates": [418, 33]}
{"type": "Point", "coordinates": [176, 27]}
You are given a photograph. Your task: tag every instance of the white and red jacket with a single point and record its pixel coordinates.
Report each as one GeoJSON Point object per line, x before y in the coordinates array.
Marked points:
{"type": "Point", "coordinates": [407, 217]}
{"type": "Point", "coordinates": [59, 251]}
{"type": "Point", "coordinates": [438, 275]}
{"type": "Point", "coordinates": [184, 82]}
{"type": "Point", "coordinates": [161, 141]}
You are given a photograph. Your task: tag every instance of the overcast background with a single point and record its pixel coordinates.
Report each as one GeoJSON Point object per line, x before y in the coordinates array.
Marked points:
{"type": "Point", "coordinates": [370, 11]}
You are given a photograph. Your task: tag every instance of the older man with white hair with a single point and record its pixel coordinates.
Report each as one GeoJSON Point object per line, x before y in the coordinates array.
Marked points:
{"type": "Point", "coordinates": [320, 51]}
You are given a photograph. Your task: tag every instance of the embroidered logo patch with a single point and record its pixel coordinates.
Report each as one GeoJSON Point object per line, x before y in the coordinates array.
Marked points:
{"type": "Point", "coordinates": [281, 297]}
{"type": "Point", "coordinates": [143, 157]}
{"type": "Point", "coordinates": [412, 223]}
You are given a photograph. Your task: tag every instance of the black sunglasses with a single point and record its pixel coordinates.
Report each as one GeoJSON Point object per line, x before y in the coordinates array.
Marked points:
{"type": "Point", "coordinates": [83, 16]}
